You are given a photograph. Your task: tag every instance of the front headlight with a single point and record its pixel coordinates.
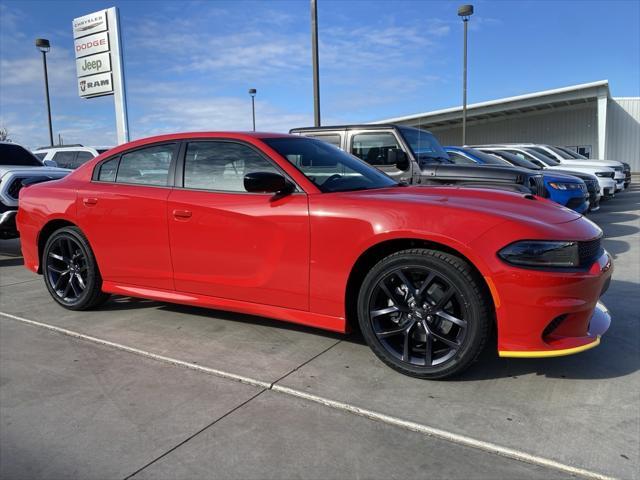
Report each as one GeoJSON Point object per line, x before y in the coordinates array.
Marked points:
{"type": "Point", "coordinates": [541, 253]}
{"type": "Point", "coordinates": [605, 174]}
{"type": "Point", "coordinates": [564, 186]}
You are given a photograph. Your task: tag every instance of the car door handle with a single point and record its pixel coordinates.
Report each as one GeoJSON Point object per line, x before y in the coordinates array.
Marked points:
{"type": "Point", "coordinates": [182, 214]}
{"type": "Point", "coordinates": [90, 201]}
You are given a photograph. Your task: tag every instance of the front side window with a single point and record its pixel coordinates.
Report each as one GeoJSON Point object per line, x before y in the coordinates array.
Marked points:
{"type": "Point", "coordinates": [146, 166]}
{"type": "Point", "coordinates": [221, 166]}
{"type": "Point", "coordinates": [328, 167]}
{"type": "Point", "coordinates": [41, 155]}
{"type": "Point", "coordinates": [373, 148]}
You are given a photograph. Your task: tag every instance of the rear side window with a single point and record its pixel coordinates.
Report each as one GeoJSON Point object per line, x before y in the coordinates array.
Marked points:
{"type": "Point", "coordinates": [221, 166]}
{"type": "Point", "coordinates": [374, 147]}
{"type": "Point", "coordinates": [146, 166]}
{"type": "Point", "coordinates": [65, 159]}
{"type": "Point", "coordinates": [82, 158]}
{"type": "Point", "coordinates": [332, 139]}
{"type": "Point", "coordinates": [108, 170]}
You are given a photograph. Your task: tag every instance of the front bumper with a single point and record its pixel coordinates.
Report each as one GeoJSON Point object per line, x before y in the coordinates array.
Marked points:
{"type": "Point", "coordinates": [8, 225]}
{"type": "Point", "coordinates": [546, 314]}
{"type": "Point", "coordinates": [598, 325]}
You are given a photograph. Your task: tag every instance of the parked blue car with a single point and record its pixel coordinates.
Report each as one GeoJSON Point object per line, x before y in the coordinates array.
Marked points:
{"type": "Point", "coordinates": [564, 189]}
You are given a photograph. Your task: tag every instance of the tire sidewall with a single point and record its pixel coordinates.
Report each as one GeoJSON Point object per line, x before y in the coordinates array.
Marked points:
{"type": "Point", "coordinates": [92, 275]}
{"type": "Point", "coordinates": [476, 320]}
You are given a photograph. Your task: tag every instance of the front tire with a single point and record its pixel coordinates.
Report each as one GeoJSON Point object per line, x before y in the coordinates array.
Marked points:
{"type": "Point", "coordinates": [424, 313]}
{"type": "Point", "coordinates": [70, 270]}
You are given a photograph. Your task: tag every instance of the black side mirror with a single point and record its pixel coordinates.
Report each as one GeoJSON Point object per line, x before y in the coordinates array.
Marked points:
{"type": "Point", "coordinates": [397, 157]}
{"type": "Point", "coordinates": [267, 182]}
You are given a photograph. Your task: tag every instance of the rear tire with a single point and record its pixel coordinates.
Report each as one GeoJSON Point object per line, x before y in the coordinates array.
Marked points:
{"type": "Point", "coordinates": [71, 272]}
{"type": "Point", "coordinates": [424, 313]}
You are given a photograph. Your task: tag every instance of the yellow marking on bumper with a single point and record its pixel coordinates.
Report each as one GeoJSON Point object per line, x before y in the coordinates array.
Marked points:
{"type": "Point", "coordinates": [549, 353]}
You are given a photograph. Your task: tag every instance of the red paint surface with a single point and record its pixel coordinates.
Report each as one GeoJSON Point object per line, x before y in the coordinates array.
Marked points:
{"type": "Point", "coordinates": [291, 258]}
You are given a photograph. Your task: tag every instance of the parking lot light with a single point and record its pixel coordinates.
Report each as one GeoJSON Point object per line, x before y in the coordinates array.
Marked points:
{"type": "Point", "coordinates": [44, 46]}
{"type": "Point", "coordinates": [252, 92]}
{"type": "Point", "coordinates": [465, 11]}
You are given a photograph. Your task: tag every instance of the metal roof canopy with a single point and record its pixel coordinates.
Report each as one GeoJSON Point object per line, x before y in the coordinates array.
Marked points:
{"type": "Point", "coordinates": [505, 107]}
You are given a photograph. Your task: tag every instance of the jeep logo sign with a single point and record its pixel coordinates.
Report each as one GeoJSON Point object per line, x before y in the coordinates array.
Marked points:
{"type": "Point", "coordinates": [99, 63]}
{"type": "Point", "coordinates": [95, 85]}
{"type": "Point", "coordinates": [92, 44]}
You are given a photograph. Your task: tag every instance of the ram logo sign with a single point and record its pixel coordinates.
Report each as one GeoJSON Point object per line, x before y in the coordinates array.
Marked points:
{"type": "Point", "coordinates": [95, 85]}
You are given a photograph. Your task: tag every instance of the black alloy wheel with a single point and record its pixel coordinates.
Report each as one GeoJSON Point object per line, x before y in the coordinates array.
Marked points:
{"type": "Point", "coordinates": [70, 270]}
{"type": "Point", "coordinates": [424, 313]}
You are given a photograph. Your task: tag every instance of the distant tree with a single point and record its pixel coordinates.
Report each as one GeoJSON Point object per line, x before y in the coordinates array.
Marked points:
{"type": "Point", "coordinates": [4, 135]}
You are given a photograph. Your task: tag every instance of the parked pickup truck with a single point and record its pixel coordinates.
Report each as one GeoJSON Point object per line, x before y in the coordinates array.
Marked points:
{"type": "Point", "coordinates": [415, 157]}
{"type": "Point", "coordinates": [18, 165]}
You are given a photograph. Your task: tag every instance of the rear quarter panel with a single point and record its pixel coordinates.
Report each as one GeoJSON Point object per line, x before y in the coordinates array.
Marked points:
{"type": "Point", "coordinates": [39, 204]}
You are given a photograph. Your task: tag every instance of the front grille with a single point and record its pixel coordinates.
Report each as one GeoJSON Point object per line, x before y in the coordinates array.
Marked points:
{"type": "Point", "coordinates": [575, 202]}
{"type": "Point", "coordinates": [14, 188]}
{"type": "Point", "coordinates": [589, 251]}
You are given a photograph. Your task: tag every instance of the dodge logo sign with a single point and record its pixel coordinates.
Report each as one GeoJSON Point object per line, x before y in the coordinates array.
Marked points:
{"type": "Point", "coordinates": [92, 44]}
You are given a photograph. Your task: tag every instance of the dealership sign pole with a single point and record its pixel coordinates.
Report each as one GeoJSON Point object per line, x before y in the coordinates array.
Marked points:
{"type": "Point", "coordinates": [99, 63]}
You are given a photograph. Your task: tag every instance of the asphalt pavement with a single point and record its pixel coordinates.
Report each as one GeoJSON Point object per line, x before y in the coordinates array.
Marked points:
{"type": "Point", "coordinates": [144, 389]}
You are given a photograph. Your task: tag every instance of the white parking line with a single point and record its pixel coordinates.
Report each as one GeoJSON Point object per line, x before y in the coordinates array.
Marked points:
{"type": "Point", "coordinates": [345, 407]}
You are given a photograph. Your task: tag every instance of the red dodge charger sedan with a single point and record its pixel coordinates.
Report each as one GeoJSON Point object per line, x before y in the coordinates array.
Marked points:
{"type": "Point", "coordinates": [295, 229]}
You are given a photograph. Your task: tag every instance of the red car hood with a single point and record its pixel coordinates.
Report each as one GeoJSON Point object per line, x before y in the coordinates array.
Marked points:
{"type": "Point", "coordinates": [509, 205]}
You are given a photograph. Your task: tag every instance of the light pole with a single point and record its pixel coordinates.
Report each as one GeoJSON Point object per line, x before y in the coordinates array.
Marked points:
{"type": "Point", "coordinates": [465, 11]}
{"type": "Point", "coordinates": [44, 46]}
{"type": "Point", "coordinates": [252, 92]}
{"type": "Point", "coordinates": [314, 59]}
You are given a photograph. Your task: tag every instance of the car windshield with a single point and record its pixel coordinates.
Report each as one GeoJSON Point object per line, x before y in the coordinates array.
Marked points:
{"type": "Point", "coordinates": [101, 150]}
{"type": "Point", "coordinates": [515, 160]}
{"type": "Point", "coordinates": [561, 153]}
{"type": "Point", "coordinates": [572, 154]}
{"type": "Point", "coordinates": [543, 158]}
{"type": "Point", "coordinates": [424, 145]}
{"type": "Point", "coordinates": [328, 167]}
{"type": "Point", "coordinates": [16, 155]}
{"type": "Point", "coordinates": [486, 158]}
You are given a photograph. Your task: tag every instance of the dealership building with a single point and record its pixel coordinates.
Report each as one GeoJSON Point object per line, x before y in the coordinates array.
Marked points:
{"type": "Point", "coordinates": [583, 117]}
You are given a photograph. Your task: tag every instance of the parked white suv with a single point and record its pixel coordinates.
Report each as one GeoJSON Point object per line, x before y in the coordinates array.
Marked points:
{"type": "Point", "coordinates": [565, 158]}
{"type": "Point", "coordinates": [605, 175]}
{"type": "Point", "coordinates": [69, 156]}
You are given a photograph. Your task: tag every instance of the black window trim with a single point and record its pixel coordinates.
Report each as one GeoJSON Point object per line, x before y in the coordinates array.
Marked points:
{"type": "Point", "coordinates": [170, 172]}
{"type": "Point", "coordinates": [178, 178]}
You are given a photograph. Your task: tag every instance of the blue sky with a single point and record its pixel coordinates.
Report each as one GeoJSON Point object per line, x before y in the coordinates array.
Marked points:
{"type": "Point", "coordinates": [189, 64]}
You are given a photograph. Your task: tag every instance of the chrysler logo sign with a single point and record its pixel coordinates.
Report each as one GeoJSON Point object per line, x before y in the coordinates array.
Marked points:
{"type": "Point", "coordinates": [92, 23]}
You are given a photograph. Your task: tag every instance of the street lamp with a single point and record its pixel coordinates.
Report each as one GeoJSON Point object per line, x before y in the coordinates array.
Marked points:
{"type": "Point", "coordinates": [465, 11]}
{"type": "Point", "coordinates": [252, 92]}
{"type": "Point", "coordinates": [314, 61]}
{"type": "Point", "coordinates": [44, 46]}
